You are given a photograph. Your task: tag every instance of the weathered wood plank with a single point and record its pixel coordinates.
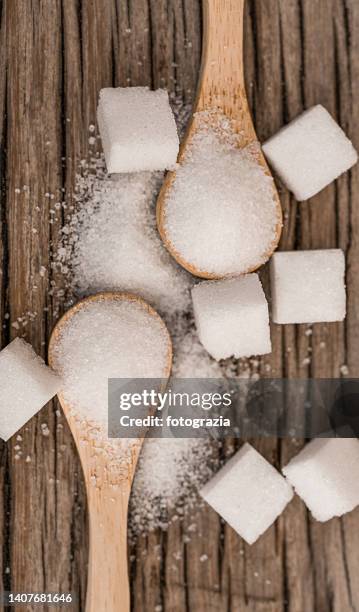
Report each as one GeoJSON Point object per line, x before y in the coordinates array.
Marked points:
{"type": "Point", "coordinates": [45, 522]}
{"type": "Point", "coordinates": [54, 58]}
{"type": "Point", "coordinates": [3, 291]}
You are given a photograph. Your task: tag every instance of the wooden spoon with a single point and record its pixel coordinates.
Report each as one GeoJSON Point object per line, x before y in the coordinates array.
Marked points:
{"type": "Point", "coordinates": [108, 479]}
{"type": "Point", "coordinates": [221, 88]}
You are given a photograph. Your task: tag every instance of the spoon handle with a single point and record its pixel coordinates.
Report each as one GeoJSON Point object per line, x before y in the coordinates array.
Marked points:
{"type": "Point", "coordinates": [222, 80]}
{"type": "Point", "coordinates": [107, 583]}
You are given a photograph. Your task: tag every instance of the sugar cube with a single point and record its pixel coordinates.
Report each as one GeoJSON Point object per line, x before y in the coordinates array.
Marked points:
{"type": "Point", "coordinates": [325, 474]}
{"type": "Point", "coordinates": [248, 493]}
{"type": "Point", "coordinates": [137, 128]}
{"type": "Point", "coordinates": [232, 317]}
{"type": "Point", "coordinates": [26, 384]}
{"type": "Point", "coordinates": [310, 152]}
{"type": "Point", "coordinates": [308, 286]}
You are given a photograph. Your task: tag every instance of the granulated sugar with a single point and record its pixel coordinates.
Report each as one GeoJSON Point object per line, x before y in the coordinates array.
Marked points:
{"type": "Point", "coordinates": [220, 215]}
{"type": "Point", "coordinates": [190, 359]}
{"type": "Point", "coordinates": [108, 339]}
{"type": "Point", "coordinates": [168, 475]}
{"type": "Point", "coordinates": [171, 470]}
{"type": "Point", "coordinates": [111, 241]}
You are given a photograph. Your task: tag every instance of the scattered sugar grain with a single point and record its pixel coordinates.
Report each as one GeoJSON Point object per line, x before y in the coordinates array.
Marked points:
{"type": "Point", "coordinates": [220, 215]}
{"type": "Point", "coordinates": [45, 430]}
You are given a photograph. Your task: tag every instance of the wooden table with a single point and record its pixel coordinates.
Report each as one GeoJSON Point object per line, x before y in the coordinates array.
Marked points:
{"type": "Point", "coordinates": [55, 56]}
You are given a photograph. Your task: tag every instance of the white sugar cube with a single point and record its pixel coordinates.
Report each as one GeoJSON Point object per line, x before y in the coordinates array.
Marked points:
{"type": "Point", "coordinates": [26, 385]}
{"type": "Point", "coordinates": [137, 128]}
{"type": "Point", "coordinates": [248, 493]}
{"type": "Point", "coordinates": [308, 286]}
{"type": "Point", "coordinates": [310, 152]}
{"type": "Point", "coordinates": [325, 474]}
{"type": "Point", "coordinates": [232, 317]}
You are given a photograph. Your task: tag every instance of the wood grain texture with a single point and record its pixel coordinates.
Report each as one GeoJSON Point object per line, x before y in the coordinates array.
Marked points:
{"type": "Point", "coordinates": [54, 57]}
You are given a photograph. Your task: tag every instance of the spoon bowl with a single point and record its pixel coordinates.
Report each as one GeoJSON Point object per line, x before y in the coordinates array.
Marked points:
{"type": "Point", "coordinates": [221, 90]}
{"type": "Point", "coordinates": [108, 469]}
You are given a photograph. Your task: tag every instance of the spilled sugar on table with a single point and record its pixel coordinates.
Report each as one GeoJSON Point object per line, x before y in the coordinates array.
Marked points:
{"type": "Point", "coordinates": [54, 58]}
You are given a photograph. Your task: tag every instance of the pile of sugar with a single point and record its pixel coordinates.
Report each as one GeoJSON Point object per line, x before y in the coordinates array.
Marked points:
{"type": "Point", "coordinates": [108, 213]}
{"type": "Point", "coordinates": [108, 339]}
{"type": "Point", "coordinates": [168, 476]}
{"type": "Point", "coordinates": [113, 225]}
{"type": "Point", "coordinates": [170, 471]}
{"type": "Point", "coordinates": [220, 215]}
{"type": "Point", "coordinates": [190, 359]}
{"type": "Point", "coordinates": [110, 242]}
